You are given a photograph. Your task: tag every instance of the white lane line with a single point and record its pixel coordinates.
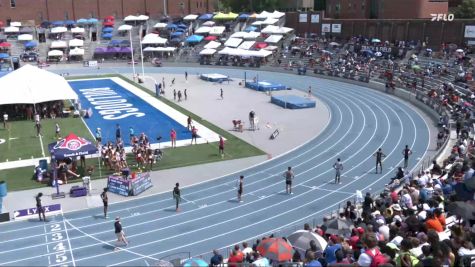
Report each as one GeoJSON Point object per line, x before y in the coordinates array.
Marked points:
{"type": "Point", "coordinates": [47, 247]}
{"type": "Point", "coordinates": [69, 241]}
{"type": "Point", "coordinates": [41, 144]}
{"type": "Point", "coordinates": [328, 190]}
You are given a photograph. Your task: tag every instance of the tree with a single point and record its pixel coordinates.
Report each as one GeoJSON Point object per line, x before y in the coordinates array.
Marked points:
{"type": "Point", "coordinates": [466, 10]}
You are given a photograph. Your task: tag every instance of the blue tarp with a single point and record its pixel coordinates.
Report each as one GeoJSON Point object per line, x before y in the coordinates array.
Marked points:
{"type": "Point", "coordinates": [250, 29]}
{"type": "Point", "coordinates": [4, 55]}
{"type": "Point", "coordinates": [69, 22]}
{"type": "Point", "coordinates": [107, 30]}
{"type": "Point", "coordinates": [183, 26]}
{"type": "Point", "coordinates": [292, 102]}
{"type": "Point", "coordinates": [107, 35]}
{"type": "Point", "coordinates": [206, 17]}
{"type": "Point", "coordinates": [171, 26]}
{"type": "Point", "coordinates": [92, 21]}
{"type": "Point", "coordinates": [176, 34]}
{"type": "Point", "coordinates": [30, 44]}
{"type": "Point", "coordinates": [194, 39]}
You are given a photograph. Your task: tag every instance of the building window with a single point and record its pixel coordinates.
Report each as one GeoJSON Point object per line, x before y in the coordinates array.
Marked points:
{"type": "Point", "coordinates": [197, 5]}
{"type": "Point", "coordinates": [12, 3]}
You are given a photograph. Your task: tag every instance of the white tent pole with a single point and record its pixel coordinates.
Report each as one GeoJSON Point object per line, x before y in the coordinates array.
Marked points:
{"type": "Point", "coordinates": [132, 53]}
{"type": "Point", "coordinates": [141, 54]}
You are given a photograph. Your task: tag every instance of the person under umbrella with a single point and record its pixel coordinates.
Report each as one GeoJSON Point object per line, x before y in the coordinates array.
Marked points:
{"type": "Point", "coordinates": [275, 249]}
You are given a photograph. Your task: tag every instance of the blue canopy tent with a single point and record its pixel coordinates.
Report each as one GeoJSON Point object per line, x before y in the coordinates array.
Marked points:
{"type": "Point", "coordinates": [30, 44]}
{"type": "Point", "coordinates": [182, 26]}
{"type": "Point", "coordinates": [4, 55]}
{"type": "Point", "coordinates": [206, 17]}
{"type": "Point", "coordinates": [243, 16]}
{"type": "Point", "coordinates": [81, 21]}
{"type": "Point", "coordinates": [92, 21]}
{"type": "Point", "coordinates": [180, 30]}
{"type": "Point", "coordinates": [171, 26]}
{"type": "Point", "coordinates": [115, 42]}
{"type": "Point", "coordinates": [107, 30]}
{"type": "Point", "coordinates": [250, 29]}
{"type": "Point", "coordinates": [176, 34]}
{"type": "Point", "coordinates": [194, 39]}
{"type": "Point", "coordinates": [107, 35]}
{"type": "Point", "coordinates": [69, 22]}
{"type": "Point", "coordinates": [57, 23]}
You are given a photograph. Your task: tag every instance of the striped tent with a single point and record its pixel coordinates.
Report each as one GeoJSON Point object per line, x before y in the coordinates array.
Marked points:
{"type": "Point", "coordinates": [276, 249]}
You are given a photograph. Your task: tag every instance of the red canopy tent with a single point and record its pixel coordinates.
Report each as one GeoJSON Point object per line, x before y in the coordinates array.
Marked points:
{"type": "Point", "coordinates": [211, 38]}
{"type": "Point", "coordinates": [1, 23]}
{"type": "Point", "coordinates": [108, 18]}
{"type": "Point", "coordinates": [5, 44]}
{"type": "Point", "coordinates": [261, 45]}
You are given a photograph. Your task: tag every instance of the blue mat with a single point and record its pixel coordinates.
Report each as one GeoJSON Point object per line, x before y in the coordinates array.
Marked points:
{"type": "Point", "coordinates": [265, 86]}
{"type": "Point", "coordinates": [120, 106]}
{"type": "Point", "coordinates": [293, 102]}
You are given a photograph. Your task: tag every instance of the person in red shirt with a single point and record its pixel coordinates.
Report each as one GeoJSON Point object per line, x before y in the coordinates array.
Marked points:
{"type": "Point", "coordinates": [173, 137]}
{"type": "Point", "coordinates": [235, 259]}
{"type": "Point", "coordinates": [221, 146]}
{"type": "Point", "coordinates": [433, 223]}
{"type": "Point", "coordinates": [440, 216]}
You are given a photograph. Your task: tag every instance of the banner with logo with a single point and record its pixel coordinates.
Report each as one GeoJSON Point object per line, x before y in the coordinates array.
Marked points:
{"type": "Point", "coordinates": [336, 28]}
{"type": "Point", "coordinates": [303, 17]}
{"type": "Point", "coordinates": [469, 31]}
{"type": "Point", "coordinates": [72, 146]}
{"type": "Point", "coordinates": [326, 27]}
{"type": "Point", "coordinates": [315, 18]}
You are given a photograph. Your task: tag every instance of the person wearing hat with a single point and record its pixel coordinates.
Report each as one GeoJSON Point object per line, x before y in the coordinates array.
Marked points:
{"type": "Point", "coordinates": [333, 246]}
{"type": "Point", "coordinates": [119, 232]}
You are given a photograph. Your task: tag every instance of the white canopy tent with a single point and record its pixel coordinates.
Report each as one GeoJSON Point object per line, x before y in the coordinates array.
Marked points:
{"type": "Point", "coordinates": [190, 17]}
{"type": "Point", "coordinates": [11, 29]}
{"type": "Point", "coordinates": [217, 30]}
{"type": "Point", "coordinates": [273, 39]}
{"type": "Point", "coordinates": [58, 44]}
{"type": "Point", "coordinates": [277, 15]}
{"type": "Point", "coordinates": [153, 38]}
{"type": "Point", "coordinates": [15, 24]}
{"type": "Point", "coordinates": [77, 30]}
{"type": "Point", "coordinates": [59, 30]}
{"type": "Point", "coordinates": [76, 43]}
{"type": "Point", "coordinates": [159, 49]}
{"type": "Point", "coordinates": [142, 17]}
{"type": "Point", "coordinates": [233, 42]}
{"type": "Point", "coordinates": [212, 45]}
{"type": "Point", "coordinates": [204, 29]}
{"type": "Point", "coordinates": [55, 53]}
{"type": "Point", "coordinates": [160, 25]}
{"type": "Point", "coordinates": [271, 48]}
{"type": "Point", "coordinates": [131, 18]}
{"type": "Point", "coordinates": [245, 35]}
{"type": "Point", "coordinates": [209, 23]}
{"type": "Point", "coordinates": [263, 15]}
{"type": "Point", "coordinates": [246, 45]}
{"type": "Point", "coordinates": [31, 85]}
{"type": "Point", "coordinates": [208, 51]}
{"type": "Point", "coordinates": [244, 53]}
{"type": "Point", "coordinates": [270, 21]}
{"type": "Point", "coordinates": [257, 23]}
{"type": "Point", "coordinates": [25, 37]}
{"type": "Point", "coordinates": [271, 29]}
{"type": "Point", "coordinates": [76, 52]}
{"type": "Point", "coordinates": [124, 27]}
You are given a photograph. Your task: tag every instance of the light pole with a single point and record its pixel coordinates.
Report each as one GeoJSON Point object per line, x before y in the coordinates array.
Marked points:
{"type": "Point", "coordinates": [132, 53]}
{"type": "Point", "coordinates": [141, 52]}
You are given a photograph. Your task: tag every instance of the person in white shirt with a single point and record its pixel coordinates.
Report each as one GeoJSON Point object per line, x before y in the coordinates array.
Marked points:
{"type": "Point", "coordinates": [246, 249]}
{"type": "Point", "coordinates": [338, 166]}
{"type": "Point", "coordinates": [5, 120]}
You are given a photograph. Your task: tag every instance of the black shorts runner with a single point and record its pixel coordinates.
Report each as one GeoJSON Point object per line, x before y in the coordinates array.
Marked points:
{"type": "Point", "coordinates": [105, 203]}
{"type": "Point", "coordinates": [289, 182]}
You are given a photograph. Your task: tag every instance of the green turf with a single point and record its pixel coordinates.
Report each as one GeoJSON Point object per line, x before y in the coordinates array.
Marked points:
{"type": "Point", "coordinates": [21, 178]}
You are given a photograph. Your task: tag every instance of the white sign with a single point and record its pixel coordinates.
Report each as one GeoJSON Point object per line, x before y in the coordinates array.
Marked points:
{"type": "Point", "coordinates": [469, 31]}
{"type": "Point", "coordinates": [303, 17]}
{"type": "Point", "coordinates": [315, 18]}
{"type": "Point", "coordinates": [336, 28]}
{"type": "Point", "coordinates": [326, 27]}
{"type": "Point", "coordinates": [92, 63]}
{"type": "Point", "coordinates": [442, 17]}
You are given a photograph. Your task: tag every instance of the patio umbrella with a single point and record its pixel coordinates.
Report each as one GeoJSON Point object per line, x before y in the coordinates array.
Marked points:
{"type": "Point", "coordinates": [459, 50]}
{"type": "Point", "coordinates": [243, 16]}
{"type": "Point", "coordinates": [261, 45]}
{"type": "Point", "coordinates": [4, 55]}
{"type": "Point", "coordinates": [107, 35]}
{"type": "Point", "coordinates": [107, 30]}
{"type": "Point", "coordinates": [194, 39]}
{"type": "Point", "coordinates": [69, 22]}
{"type": "Point", "coordinates": [301, 240]}
{"type": "Point", "coordinates": [57, 23]}
{"type": "Point", "coordinates": [162, 263]}
{"type": "Point", "coordinates": [367, 52]}
{"type": "Point", "coordinates": [30, 44]}
{"type": "Point", "coordinates": [5, 44]}
{"type": "Point", "coordinates": [339, 226]}
{"type": "Point", "coordinates": [92, 21]}
{"type": "Point", "coordinates": [206, 17]}
{"type": "Point", "coordinates": [195, 262]}
{"type": "Point", "coordinates": [276, 249]}
{"type": "Point", "coordinates": [375, 40]}
{"type": "Point", "coordinates": [183, 26]}
{"type": "Point", "coordinates": [250, 29]}
{"type": "Point", "coordinates": [108, 24]}
{"type": "Point", "coordinates": [72, 146]}
{"type": "Point", "coordinates": [81, 21]}
{"type": "Point", "coordinates": [211, 38]}
{"type": "Point", "coordinates": [114, 42]}
{"type": "Point", "coordinates": [463, 209]}
{"type": "Point", "coordinates": [100, 50]}
{"type": "Point", "coordinates": [176, 34]}
{"type": "Point", "coordinates": [171, 26]}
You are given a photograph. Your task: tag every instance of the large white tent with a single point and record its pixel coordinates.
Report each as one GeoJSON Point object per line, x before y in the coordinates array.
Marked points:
{"type": "Point", "coordinates": [246, 45]}
{"type": "Point", "coordinates": [208, 51]}
{"type": "Point", "coordinates": [31, 85]}
{"type": "Point", "coordinates": [212, 45]}
{"type": "Point", "coordinates": [276, 30]}
{"type": "Point", "coordinates": [58, 44]}
{"type": "Point", "coordinates": [233, 42]}
{"type": "Point", "coordinates": [190, 17]}
{"type": "Point", "coordinates": [77, 30]}
{"type": "Point", "coordinates": [217, 30]}
{"type": "Point", "coordinates": [273, 39]}
{"type": "Point", "coordinates": [153, 38]}
{"type": "Point", "coordinates": [76, 43]}
{"type": "Point", "coordinates": [76, 52]}
{"type": "Point", "coordinates": [244, 53]}
{"type": "Point", "coordinates": [204, 29]}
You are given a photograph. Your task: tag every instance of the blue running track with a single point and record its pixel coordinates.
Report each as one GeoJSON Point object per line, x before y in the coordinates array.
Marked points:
{"type": "Point", "coordinates": [362, 120]}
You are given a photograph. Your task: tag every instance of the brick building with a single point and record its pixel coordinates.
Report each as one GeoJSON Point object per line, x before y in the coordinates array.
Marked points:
{"type": "Point", "coordinates": [40, 10]}
{"type": "Point", "coordinates": [384, 9]}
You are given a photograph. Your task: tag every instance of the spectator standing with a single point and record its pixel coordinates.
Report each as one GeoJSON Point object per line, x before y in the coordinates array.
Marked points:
{"type": "Point", "coordinates": [185, 94]}
{"type": "Point", "coordinates": [105, 201]}
{"type": "Point", "coordinates": [221, 93]}
{"type": "Point", "coordinates": [118, 134]}
{"type": "Point", "coordinates": [289, 177]}
{"type": "Point", "coordinates": [252, 115]}
{"type": "Point", "coordinates": [406, 152]}
{"type": "Point", "coordinates": [186, 76]}
{"type": "Point", "coordinates": [119, 232]}
{"type": "Point", "coordinates": [38, 128]}
{"type": "Point", "coordinates": [177, 196]}
{"type": "Point", "coordinates": [39, 207]}
{"type": "Point", "coordinates": [98, 136]}
{"type": "Point", "coordinates": [333, 246]}
{"type": "Point", "coordinates": [174, 94]}
{"type": "Point", "coordinates": [189, 121]}
{"type": "Point", "coordinates": [217, 258]}
{"type": "Point", "coordinates": [5, 120]}
{"type": "Point", "coordinates": [309, 94]}
{"type": "Point", "coordinates": [131, 134]}
{"type": "Point", "coordinates": [173, 137]}
{"type": "Point", "coordinates": [179, 95]}
{"type": "Point", "coordinates": [338, 166]}
{"type": "Point", "coordinates": [240, 188]}
{"type": "Point", "coordinates": [57, 131]}
{"type": "Point", "coordinates": [379, 159]}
